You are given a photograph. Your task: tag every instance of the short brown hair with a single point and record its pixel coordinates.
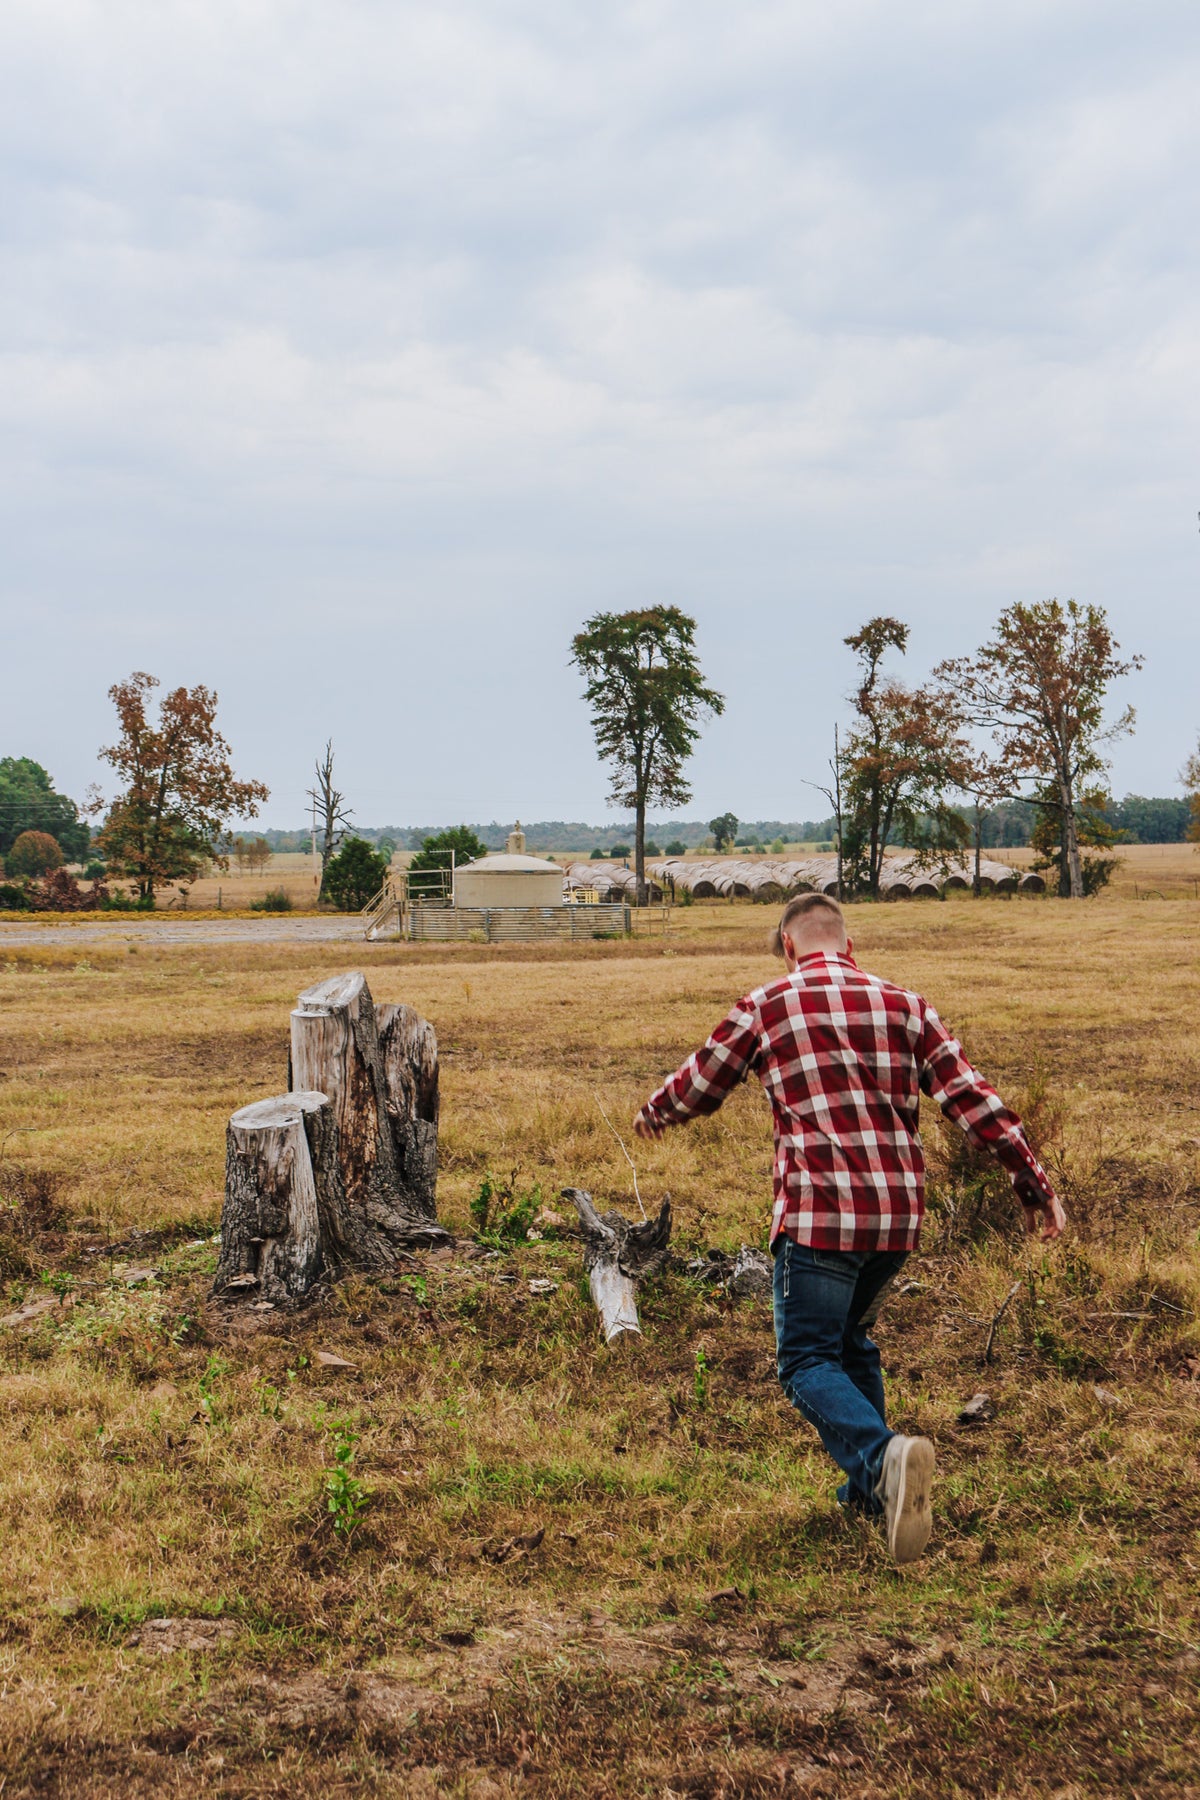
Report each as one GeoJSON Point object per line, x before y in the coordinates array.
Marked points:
{"type": "Point", "coordinates": [824, 906]}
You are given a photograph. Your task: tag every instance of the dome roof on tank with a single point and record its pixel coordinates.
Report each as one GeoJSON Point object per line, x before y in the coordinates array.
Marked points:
{"type": "Point", "coordinates": [501, 862]}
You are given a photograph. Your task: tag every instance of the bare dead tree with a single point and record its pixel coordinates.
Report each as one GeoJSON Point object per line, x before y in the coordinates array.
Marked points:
{"type": "Point", "coordinates": [333, 818]}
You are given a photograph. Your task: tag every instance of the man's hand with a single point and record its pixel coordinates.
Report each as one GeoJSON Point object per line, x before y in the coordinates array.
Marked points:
{"type": "Point", "coordinates": [1044, 1218]}
{"type": "Point", "coordinates": [646, 1127]}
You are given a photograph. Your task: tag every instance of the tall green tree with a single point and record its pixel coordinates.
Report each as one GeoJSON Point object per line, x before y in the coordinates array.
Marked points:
{"type": "Point", "coordinates": [724, 830]}
{"type": "Point", "coordinates": [1039, 685]}
{"type": "Point", "coordinates": [903, 755]}
{"type": "Point", "coordinates": [28, 802]}
{"type": "Point", "coordinates": [178, 793]}
{"type": "Point", "coordinates": [648, 697]}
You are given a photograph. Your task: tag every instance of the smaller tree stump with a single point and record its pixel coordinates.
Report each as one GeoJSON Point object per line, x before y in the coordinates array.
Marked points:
{"type": "Point", "coordinates": [280, 1157]}
{"type": "Point", "coordinates": [617, 1253]}
{"type": "Point", "coordinates": [409, 1052]}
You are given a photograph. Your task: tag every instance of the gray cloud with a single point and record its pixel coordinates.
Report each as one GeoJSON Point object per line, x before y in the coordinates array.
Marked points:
{"type": "Point", "coordinates": [351, 354]}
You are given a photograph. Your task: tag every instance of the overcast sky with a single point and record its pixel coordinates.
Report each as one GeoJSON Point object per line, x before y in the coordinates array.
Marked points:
{"type": "Point", "coordinates": [353, 353]}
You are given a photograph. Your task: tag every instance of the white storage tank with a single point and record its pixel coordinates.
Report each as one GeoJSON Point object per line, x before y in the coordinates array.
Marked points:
{"type": "Point", "coordinates": [509, 878]}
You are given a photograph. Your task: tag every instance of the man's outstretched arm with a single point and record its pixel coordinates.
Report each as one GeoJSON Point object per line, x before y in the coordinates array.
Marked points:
{"type": "Point", "coordinates": [704, 1080]}
{"type": "Point", "coordinates": [977, 1109]}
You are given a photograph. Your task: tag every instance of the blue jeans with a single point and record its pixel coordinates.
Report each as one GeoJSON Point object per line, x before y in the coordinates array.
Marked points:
{"type": "Point", "coordinates": [825, 1302]}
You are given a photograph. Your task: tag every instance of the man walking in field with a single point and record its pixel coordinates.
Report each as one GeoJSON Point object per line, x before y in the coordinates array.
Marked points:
{"type": "Point", "coordinates": [844, 1057]}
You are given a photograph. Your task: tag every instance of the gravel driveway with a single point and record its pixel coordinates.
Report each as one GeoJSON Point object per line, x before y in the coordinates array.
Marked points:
{"type": "Point", "coordinates": [177, 931]}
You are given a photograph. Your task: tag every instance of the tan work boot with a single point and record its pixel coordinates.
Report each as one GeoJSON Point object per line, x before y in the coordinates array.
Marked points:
{"type": "Point", "coordinates": [904, 1483]}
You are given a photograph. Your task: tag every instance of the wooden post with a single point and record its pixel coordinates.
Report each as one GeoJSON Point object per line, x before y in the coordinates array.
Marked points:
{"type": "Point", "coordinates": [279, 1154]}
{"type": "Point", "coordinates": [616, 1254]}
{"type": "Point", "coordinates": [335, 1048]}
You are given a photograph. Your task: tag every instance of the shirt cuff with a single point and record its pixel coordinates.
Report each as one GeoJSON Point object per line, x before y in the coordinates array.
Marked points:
{"type": "Point", "coordinates": [1032, 1191]}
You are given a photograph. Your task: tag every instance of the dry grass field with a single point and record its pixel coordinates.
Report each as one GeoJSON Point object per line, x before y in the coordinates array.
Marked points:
{"type": "Point", "coordinates": [1146, 871]}
{"type": "Point", "coordinates": [235, 889]}
{"type": "Point", "coordinates": [576, 1570]}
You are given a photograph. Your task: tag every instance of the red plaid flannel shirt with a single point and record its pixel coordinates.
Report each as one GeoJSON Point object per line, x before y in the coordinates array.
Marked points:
{"type": "Point", "coordinates": [844, 1057]}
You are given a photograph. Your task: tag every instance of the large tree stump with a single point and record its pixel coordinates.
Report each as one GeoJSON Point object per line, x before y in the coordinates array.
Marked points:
{"type": "Point", "coordinates": [280, 1155]}
{"type": "Point", "coordinates": [335, 1048]}
{"type": "Point", "coordinates": [617, 1253]}
{"type": "Point", "coordinates": [408, 1045]}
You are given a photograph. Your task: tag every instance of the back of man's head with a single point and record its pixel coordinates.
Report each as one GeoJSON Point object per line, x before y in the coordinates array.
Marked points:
{"type": "Point", "coordinates": [811, 922]}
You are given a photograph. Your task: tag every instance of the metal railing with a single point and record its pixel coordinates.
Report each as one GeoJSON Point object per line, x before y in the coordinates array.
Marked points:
{"type": "Point", "coordinates": [399, 893]}
{"type": "Point", "coordinates": [380, 910]}
{"type": "Point", "coordinates": [429, 887]}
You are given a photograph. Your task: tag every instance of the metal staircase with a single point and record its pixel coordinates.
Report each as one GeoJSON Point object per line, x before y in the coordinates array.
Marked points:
{"type": "Point", "coordinates": [379, 912]}
{"type": "Point", "coordinates": [389, 913]}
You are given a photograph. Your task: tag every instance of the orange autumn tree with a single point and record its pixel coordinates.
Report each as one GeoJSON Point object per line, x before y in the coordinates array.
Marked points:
{"type": "Point", "coordinates": [1040, 685]}
{"type": "Point", "coordinates": [179, 791]}
{"type": "Point", "coordinates": [901, 757]}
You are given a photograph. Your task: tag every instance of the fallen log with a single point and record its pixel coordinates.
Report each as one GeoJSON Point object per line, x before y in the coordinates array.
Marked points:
{"type": "Point", "coordinates": [385, 1201]}
{"type": "Point", "coordinates": [280, 1154]}
{"type": "Point", "coordinates": [617, 1253]}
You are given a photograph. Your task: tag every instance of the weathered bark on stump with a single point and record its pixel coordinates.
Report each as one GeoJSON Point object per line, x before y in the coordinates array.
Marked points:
{"type": "Point", "coordinates": [749, 1272]}
{"type": "Point", "coordinates": [280, 1155]}
{"type": "Point", "coordinates": [408, 1045]}
{"type": "Point", "coordinates": [617, 1253]}
{"type": "Point", "coordinates": [335, 1048]}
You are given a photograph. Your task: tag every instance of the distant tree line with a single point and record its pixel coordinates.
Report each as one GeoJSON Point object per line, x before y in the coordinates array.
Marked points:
{"type": "Point", "coordinates": [1139, 818]}
{"type": "Point", "coordinates": [561, 836]}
